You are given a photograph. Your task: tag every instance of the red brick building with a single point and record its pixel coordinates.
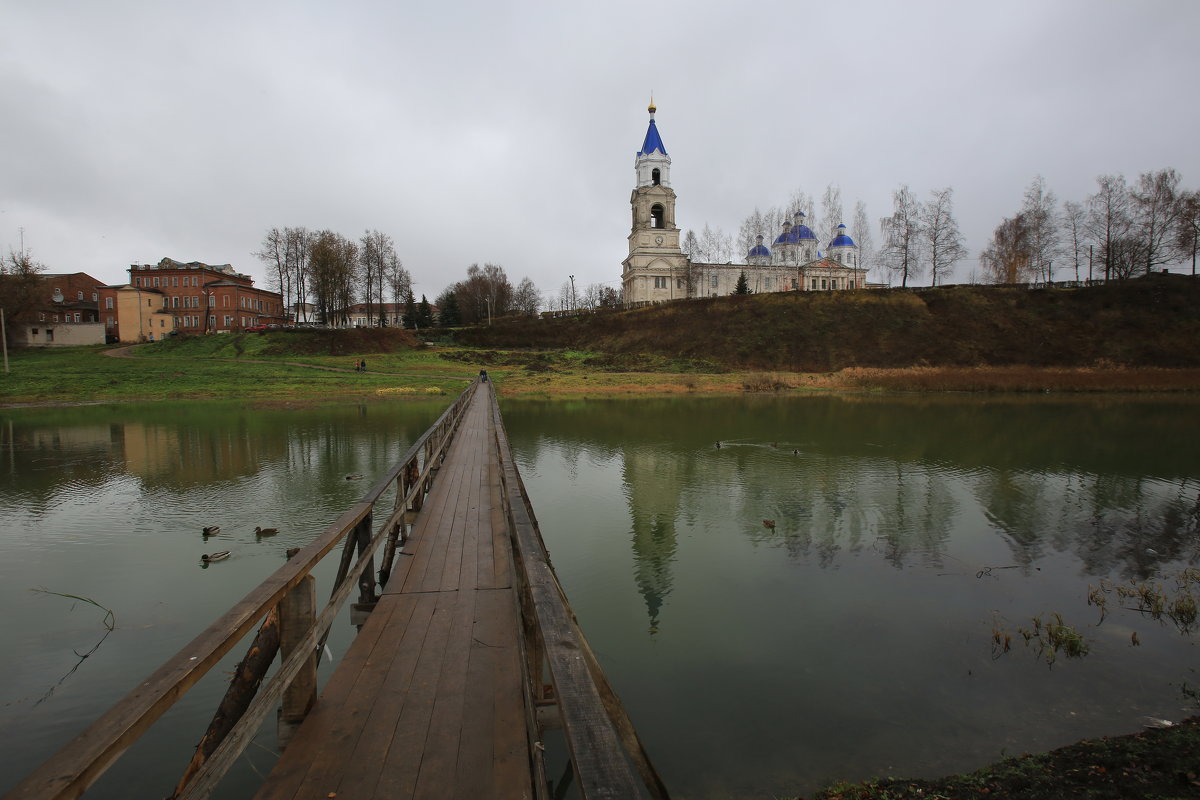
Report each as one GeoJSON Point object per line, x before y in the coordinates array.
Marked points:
{"type": "Point", "coordinates": [201, 298]}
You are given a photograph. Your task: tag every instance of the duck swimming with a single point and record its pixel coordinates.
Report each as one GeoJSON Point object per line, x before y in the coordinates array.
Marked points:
{"type": "Point", "coordinates": [266, 531]}
{"type": "Point", "coordinates": [210, 530]}
{"type": "Point", "coordinates": [220, 555]}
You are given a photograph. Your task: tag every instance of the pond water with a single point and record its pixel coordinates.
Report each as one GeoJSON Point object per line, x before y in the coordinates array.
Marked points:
{"type": "Point", "coordinates": [854, 636]}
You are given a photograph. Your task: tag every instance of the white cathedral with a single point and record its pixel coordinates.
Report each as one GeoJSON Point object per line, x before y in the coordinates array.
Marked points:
{"type": "Point", "coordinates": [657, 269]}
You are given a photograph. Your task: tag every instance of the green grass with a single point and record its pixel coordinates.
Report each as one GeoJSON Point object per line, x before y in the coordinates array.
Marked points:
{"type": "Point", "coordinates": [211, 367]}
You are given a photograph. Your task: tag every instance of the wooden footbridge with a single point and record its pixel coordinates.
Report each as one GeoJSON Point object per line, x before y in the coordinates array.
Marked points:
{"type": "Point", "coordinates": [467, 656]}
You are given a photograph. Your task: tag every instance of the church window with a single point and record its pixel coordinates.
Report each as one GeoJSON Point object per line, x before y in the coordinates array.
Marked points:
{"type": "Point", "coordinates": [794, 284]}
{"type": "Point", "coordinates": [656, 216]}
{"type": "Point", "coordinates": [824, 283]}
{"type": "Point", "coordinates": [656, 176]}
{"type": "Point", "coordinates": [660, 283]}
{"type": "Point", "coordinates": [767, 284]}
{"type": "Point", "coordinates": [713, 281]}
{"type": "Point", "coordinates": [814, 283]}
{"type": "Point", "coordinates": [833, 283]}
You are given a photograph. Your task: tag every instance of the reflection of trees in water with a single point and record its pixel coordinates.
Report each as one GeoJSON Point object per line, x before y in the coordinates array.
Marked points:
{"type": "Point", "coordinates": [891, 476]}
{"type": "Point", "coordinates": [1112, 523]}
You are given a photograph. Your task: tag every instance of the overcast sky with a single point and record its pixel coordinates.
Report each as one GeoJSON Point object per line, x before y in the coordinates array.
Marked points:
{"type": "Point", "coordinates": [505, 132]}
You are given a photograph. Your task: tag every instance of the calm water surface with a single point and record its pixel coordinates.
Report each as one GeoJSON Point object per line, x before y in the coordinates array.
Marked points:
{"type": "Point", "coordinates": [852, 639]}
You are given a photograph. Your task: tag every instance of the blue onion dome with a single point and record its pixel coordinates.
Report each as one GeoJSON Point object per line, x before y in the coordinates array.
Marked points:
{"type": "Point", "coordinates": [802, 233]}
{"type": "Point", "coordinates": [785, 237]}
{"type": "Point", "coordinates": [759, 248]}
{"type": "Point", "coordinates": [842, 240]}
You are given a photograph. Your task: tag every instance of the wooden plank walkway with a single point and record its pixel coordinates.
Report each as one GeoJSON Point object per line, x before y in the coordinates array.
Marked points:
{"type": "Point", "coordinates": [429, 702]}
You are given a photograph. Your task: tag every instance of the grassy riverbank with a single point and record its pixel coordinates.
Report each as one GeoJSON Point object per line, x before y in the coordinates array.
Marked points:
{"type": "Point", "coordinates": [1159, 763]}
{"type": "Point", "coordinates": [286, 367]}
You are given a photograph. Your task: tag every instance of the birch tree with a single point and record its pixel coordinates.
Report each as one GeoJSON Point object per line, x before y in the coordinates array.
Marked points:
{"type": "Point", "coordinates": [1108, 221]}
{"type": "Point", "coordinates": [1187, 236]}
{"type": "Point", "coordinates": [901, 234]}
{"type": "Point", "coordinates": [942, 242]}
{"type": "Point", "coordinates": [831, 214]}
{"type": "Point", "coordinates": [526, 298]}
{"type": "Point", "coordinates": [1074, 225]}
{"type": "Point", "coordinates": [1006, 258]}
{"type": "Point", "coordinates": [1039, 215]}
{"type": "Point", "coordinates": [1156, 212]}
{"type": "Point", "coordinates": [862, 236]}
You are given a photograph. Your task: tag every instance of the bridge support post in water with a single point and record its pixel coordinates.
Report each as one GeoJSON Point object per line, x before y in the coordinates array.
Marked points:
{"type": "Point", "coordinates": [297, 614]}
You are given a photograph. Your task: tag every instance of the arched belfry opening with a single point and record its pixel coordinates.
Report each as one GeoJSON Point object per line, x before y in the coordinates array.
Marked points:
{"type": "Point", "coordinates": [656, 216]}
{"type": "Point", "coordinates": [656, 177]}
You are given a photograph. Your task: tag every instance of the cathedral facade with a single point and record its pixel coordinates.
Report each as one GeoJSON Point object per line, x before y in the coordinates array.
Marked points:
{"type": "Point", "coordinates": [657, 269]}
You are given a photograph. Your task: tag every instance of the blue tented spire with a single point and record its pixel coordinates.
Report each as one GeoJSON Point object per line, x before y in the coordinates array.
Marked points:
{"type": "Point", "coordinates": [653, 140]}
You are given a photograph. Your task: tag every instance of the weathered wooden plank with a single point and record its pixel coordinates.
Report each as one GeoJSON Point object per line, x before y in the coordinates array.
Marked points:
{"type": "Point", "coordinates": [438, 772]}
{"type": "Point", "coordinates": [402, 765]}
{"type": "Point", "coordinates": [317, 753]}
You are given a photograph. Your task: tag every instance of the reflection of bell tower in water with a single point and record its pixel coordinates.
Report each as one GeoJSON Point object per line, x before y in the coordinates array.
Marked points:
{"type": "Point", "coordinates": [654, 483]}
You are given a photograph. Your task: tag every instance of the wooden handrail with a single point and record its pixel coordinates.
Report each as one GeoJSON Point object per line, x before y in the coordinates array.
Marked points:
{"type": "Point", "coordinates": [604, 748]}
{"type": "Point", "coordinates": [74, 768]}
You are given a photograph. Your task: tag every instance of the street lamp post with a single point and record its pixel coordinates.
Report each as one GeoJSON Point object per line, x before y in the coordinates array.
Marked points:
{"type": "Point", "coordinates": [573, 303]}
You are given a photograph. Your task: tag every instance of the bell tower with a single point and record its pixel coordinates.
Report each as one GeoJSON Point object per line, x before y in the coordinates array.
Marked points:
{"type": "Point", "coordinates": [655, 269]}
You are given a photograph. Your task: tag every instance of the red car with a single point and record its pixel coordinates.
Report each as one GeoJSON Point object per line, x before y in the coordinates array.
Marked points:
{"type": "Point", "coordinates": [256, 329]}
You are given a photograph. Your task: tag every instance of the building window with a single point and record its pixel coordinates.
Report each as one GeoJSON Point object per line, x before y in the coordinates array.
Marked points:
{"type": "Point", "coordinates": [833, 283]}
{"type": "Point", "coordinates": [174, 280]}
{"type": "Point", "coordinates": [713, 281]}
{"type": "Point", "coordinates": [814, 283]}
{"type": "Point", "coordinates": [156, 281]}
{"type": "Point", "coordinates": [108, 303]}
{"type": "Point", "coordinates": [56, 318]}
{"type": "Point", "coordinates": [195, 280]}
{"type": "Point", "coordinates": [175, 301]}
{"type": "Point", "coordinates": [766, 284]}
{"type": "Point", "coordinates": [656, 216]}
{"type": "Point", "coordinates": [850, 284]}
{"type": "Point", "coordinates": [137, 281]}
{"type": "Point", "coordinates": [212, 321]}
{"type": "Point", "coordinates": [108, 322]}
{"type": "Point", "coordinates": [794, 284]}
{"type": "Point", "coordinates": [80, 295]}
{"type": "Point", "coordinates": [656, 176]}
{"type": "Point", "coordinates": [228, 321]}
{"type": "Point", "coordinates": [77, 316]}
{"type": "Point", "coordinates": [660, 283]}
{"type": "Point", "coordinates": [41, 316]}
{"type": "Point", "coordinates": [95, 296]}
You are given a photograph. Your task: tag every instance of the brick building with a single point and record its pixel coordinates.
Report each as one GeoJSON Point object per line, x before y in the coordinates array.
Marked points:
{"type": "Point", "coordinates": [64, 312]}
{"type": "Point", "coordinates": [197, 298]}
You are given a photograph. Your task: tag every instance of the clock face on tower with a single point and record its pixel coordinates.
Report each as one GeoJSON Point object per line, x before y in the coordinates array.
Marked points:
{"type": "Point", "coordinates": [658, 240]}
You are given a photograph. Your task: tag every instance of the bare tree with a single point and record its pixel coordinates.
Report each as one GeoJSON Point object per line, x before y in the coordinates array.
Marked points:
{"type": "Point", "coordinates": [1156, 211]}
{"type": "Point", "coordinates": [831, 214]}
{"type": "Point", "coordinates": [20, 283]}
{"type": "Point", "coordinates": [373, 251]}
{"type": "Point", "coordinates": [943, 242]}
{"type": "Point", "coordinates": [397, 278]}
{"type": "Point", "coordinates": [332, 265]}
{"type": "Point", "coordinates": [486, 291]}
{"type": "Point", "coordinates": [1006, 258]}
{"type": "Point", "coordinates": [753, 225]}
{"type": "Point", "coordinates": [901, 232]}
{"type": "Point", "coordinates": [1041, 228]}
{"type": "Point", "coordinates": [1187, 235]}
{"type": "Point", "coordinates": [526, 298]}
{"type": "Point", "coordinates": [862, 235]}
{"type": "Point", "coordinates": [285, 252]}
{"type": "Point", "coordinates": [1109, 218]}
{"type": "Point", "coordinates": [1074, 224]}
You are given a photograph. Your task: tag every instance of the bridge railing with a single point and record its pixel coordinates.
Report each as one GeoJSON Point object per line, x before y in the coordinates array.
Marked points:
{"type": "Point", "coordinates": [608, 757]}
{"type": "Point", "coordinates": [69, 773]}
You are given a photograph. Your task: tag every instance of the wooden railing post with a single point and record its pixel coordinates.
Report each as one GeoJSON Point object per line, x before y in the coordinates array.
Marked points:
{"type": "Point", "coordinates": [297, 614]}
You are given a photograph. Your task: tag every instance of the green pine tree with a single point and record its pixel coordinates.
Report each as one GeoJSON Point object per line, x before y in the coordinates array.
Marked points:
{"type": "Point", "coordinates": [743, 285]}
